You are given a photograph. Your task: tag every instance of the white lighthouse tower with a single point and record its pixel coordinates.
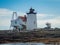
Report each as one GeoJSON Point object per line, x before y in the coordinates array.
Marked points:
{"type": "Point", "coordinates": [31, 20]}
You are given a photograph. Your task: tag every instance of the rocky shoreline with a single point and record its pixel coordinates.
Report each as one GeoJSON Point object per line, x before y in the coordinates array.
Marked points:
{"type": "Point", "coordinates": [31, 36]}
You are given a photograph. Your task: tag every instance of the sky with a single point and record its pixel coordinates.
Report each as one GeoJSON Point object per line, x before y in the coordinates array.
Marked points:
{"type": "Point", "coordinates": [47, 11]}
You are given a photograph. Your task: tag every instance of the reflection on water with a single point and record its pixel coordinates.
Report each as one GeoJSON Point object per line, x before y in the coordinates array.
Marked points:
{"type": "Point", "coordinates": [28, 44]}
{"type": "Point", "coordinates": [24, 44]}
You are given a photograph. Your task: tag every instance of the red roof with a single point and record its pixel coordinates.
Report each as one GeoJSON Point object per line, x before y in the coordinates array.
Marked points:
{"type": "Point", "coordinates": [24, 18]}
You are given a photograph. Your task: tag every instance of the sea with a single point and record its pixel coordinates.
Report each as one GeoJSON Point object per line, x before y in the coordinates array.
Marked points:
{"type": "Point", "coordinates": [29, 44]}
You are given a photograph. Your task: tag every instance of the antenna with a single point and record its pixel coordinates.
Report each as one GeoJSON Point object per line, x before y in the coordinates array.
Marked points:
{"type": "Point", "coordinates": [14, 16]}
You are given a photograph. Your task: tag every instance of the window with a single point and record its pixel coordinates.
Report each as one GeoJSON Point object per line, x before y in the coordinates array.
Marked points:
{"type": "Point", "coordinates": [15, 22]}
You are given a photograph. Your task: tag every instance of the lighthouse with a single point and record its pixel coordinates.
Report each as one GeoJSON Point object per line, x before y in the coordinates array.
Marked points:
{"type": "Point", "coordinates": [28, 22]}
{"type": "Point", "coordinates": [31, 19]}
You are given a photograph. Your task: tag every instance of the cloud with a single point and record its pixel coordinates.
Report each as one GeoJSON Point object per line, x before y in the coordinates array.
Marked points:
{"type": "Point", "coordinates": [42, 19]}
{"type": "Point", "coordinates": [5, 11]}
{"type": "Point", "coordinates": [45, 16]}
{"type": "Point", "coordinates": [5, 22]}
{"type": "Point", "coordinates": [21, 13]}
{"type": "Point", "coordinates": [6, 15]}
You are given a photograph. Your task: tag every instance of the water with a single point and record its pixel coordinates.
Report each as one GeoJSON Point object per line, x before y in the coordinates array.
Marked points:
{"type": "Point", "coordinates": [28, 44]}
{"type": "Point", "coordinates": [23, 44]}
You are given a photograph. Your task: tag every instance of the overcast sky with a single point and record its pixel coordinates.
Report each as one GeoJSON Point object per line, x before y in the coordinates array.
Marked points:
{"type": "Point", "coordinates": [47, 11]}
